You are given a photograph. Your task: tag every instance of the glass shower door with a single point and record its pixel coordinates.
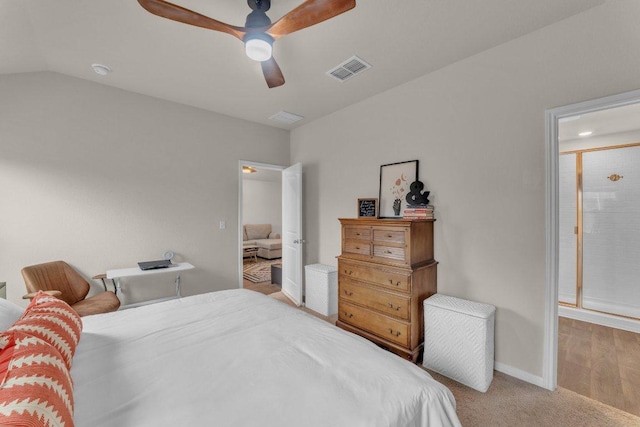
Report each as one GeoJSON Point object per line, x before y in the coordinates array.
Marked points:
{"type": "Point", "coordinates": [567, 238]}
{"type": "Point", "coordinates": [611, 231]}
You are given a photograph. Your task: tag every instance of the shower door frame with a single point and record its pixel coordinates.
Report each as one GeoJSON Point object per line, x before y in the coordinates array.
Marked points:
{"type": "Point", "coordinates": [579, 224]}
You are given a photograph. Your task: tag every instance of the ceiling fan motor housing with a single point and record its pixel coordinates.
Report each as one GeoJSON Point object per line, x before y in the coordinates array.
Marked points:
{"type": "Point", "coordinates": [262, 5]}
{"type": "Point", "coordinates": [257, 19]}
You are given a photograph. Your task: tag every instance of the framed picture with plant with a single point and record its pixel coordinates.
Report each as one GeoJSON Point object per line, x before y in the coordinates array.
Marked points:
{"type": "Point", "coordinates": [395, 179]}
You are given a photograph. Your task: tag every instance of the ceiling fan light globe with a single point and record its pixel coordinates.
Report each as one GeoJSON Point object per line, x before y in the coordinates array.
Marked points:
{"type": "Point", "coordinates": [258, 50]}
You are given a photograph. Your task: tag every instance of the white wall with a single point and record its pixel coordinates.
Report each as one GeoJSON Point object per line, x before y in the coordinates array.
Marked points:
{"type": "Point", "coordinates": [262, 203]}
{"type": "Point", "coordinates": [103, 178]}
{"type": "Point", "coordinates": [477, 128]}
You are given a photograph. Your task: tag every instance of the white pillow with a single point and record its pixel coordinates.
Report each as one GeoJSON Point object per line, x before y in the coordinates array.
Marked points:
{"type": "Point", "coordinates": [9, 313]}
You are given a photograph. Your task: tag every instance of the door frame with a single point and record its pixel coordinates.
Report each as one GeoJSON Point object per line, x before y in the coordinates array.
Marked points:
{"type": "Point", "coordinates": [550, 352]}
{"type": "Point", "coordinates": [256, 165]}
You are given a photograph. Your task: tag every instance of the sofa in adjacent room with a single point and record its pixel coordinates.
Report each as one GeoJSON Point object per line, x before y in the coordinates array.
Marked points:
{"type": "Point", "coordinates": [269, 243]}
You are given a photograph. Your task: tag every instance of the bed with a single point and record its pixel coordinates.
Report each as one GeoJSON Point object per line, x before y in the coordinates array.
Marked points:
{"type": "Point", "coordinates": [239, 358]}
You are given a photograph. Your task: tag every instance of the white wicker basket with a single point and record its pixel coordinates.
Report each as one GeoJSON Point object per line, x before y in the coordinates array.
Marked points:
{"type": "Point", "coordinates": [458, 340]}
{"type": "Point", "coordinates": [321, 288]}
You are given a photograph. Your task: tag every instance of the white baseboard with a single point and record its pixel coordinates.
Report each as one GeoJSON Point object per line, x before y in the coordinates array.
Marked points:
{"type": "Point", "coordinates": [600, 318]}
{"type": "Point", "coordinates": [518, 373]}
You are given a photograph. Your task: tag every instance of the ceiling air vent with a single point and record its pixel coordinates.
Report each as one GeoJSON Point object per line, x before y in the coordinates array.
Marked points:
{"type": "Point", "coordinates": [286, 117]}
{"type": "Point", "coordinates": [348, 69]}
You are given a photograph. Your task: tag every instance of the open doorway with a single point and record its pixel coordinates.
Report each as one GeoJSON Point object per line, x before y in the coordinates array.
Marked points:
{"type": "Point", "coordinates": [599, 246]}
{"type": "Point", "coordinates": [599, 214]}
{"type": "Point", "coordinates": [576, 197]}
{"type": "Point", "coordinates": [260, 227]}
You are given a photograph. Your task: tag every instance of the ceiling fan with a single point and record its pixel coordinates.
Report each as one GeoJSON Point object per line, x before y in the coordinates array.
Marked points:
{"type": "Point", "coordinates": [259, 33]}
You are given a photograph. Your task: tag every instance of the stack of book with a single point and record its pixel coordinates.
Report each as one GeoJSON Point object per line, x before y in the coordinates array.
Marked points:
{"type": "Point", "coordinates": [418, 212]}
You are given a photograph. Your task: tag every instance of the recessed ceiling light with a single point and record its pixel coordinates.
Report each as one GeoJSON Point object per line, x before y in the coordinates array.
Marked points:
{"type": "Point", "coordinates": [103, 70]}
{"type": "Point", "coordinates": [585, 133]}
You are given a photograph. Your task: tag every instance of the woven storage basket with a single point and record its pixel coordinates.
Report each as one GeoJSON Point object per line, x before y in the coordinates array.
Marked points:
{"type": "Point", "coordinates": [321, 288]}
{"type": "Point", "coordinates": [458, 340]}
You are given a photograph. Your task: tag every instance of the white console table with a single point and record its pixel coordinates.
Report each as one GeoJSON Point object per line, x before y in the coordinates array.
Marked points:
{"type": "Point", "coordinates": [119, 273]}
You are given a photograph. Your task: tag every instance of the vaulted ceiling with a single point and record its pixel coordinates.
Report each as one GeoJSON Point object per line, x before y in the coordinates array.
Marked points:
{"type": "Point", "coordinates": [401, 39]}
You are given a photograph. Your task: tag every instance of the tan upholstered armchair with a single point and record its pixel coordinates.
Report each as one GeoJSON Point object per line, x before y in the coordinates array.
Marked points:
{"type": "Point", "coordinates": [71, 287]}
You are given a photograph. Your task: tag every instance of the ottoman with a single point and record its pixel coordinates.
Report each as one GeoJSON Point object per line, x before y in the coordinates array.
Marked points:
{"type": "Point", "coordinates": [458, 340]}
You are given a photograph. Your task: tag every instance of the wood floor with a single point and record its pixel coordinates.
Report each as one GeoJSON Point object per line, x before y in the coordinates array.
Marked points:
{"type": "Point", "coordinates": [262, 287]}
{"type": "Point", "coordinates": [600, 362]}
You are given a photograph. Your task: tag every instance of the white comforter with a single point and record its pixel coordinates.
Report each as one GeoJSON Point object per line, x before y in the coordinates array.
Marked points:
{"type": "Point", "coordinates": [238, 358]}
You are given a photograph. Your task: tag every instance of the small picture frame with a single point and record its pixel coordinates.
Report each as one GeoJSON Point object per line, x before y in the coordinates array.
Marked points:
{"type": "Point", "coordinates": [395, 179]}
{"type": "Point", "coordinates": [367, 208]}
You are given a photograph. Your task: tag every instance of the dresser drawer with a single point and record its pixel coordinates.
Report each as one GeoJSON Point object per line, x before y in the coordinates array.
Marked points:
{"type": "Point", "coordinates": [389, 252]}
{"type": "Point", "coordinates": [385, 302]}
{"type": "Point", "coordinates": [379, 276]}
{"type": "Point", "coordinates": [385, 327]}
{"type": "Point", "coordinates": [356, 232]}
{"type": "Point", "coordinates": [357, 247]}
{"type": "Point", "coordinates": [389, 236]}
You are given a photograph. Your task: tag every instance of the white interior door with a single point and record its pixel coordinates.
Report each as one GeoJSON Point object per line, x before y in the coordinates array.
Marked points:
{"type": "Point", "coordinates": [292, 233]}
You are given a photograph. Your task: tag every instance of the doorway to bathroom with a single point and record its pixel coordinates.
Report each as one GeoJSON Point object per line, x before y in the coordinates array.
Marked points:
{"type": "Point", "coordinates": [596, 151]}
{"type": "Point", "coordinates": [599, 211]}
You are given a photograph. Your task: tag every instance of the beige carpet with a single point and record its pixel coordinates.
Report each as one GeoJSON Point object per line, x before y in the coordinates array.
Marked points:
{"type": "Point", "coordinates": [510, 402]}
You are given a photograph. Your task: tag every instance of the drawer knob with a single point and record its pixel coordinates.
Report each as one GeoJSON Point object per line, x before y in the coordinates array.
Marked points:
{"type": "Point", "coordinates": [348, 315]}
{"type": "Point", "coordinates": [396, 284]}
{"type": "Point", "coordinates": [347, 293]}
{"type": "Point", "coordinates": [357, 234]}
{"type": "Point", "coordinates": [389, 236]}
{"type": "Point", "coordinates": [396, 333]}
{"type": "Point", "coordinates": [349, 272]}
{"type": "Point", "coordinates": [397, 307]}
{"type": "Point", "coordinates": [358, 247]}
{"type": "Point", "coordinates": [387, 251]}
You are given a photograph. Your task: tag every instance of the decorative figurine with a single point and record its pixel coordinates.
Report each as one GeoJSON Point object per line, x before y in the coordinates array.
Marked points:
{"type": "Point", "coordinates": [416, 197]}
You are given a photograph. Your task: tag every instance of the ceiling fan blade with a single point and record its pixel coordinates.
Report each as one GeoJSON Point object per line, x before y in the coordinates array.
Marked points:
{"type": "Point", "coordinates": [272, 73]}
{"type": "Point", "coordinates": [180, 14]}
{"type": "Point", "coordinates": [309, 13]}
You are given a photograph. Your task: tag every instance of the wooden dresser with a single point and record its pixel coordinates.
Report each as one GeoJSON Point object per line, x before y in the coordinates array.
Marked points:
{"type": "Point", "coordinates": [385, 272]}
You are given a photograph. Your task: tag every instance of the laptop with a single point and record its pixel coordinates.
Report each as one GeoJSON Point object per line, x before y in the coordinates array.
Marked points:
{"type": "Point", "coordinates": [152, 265]}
